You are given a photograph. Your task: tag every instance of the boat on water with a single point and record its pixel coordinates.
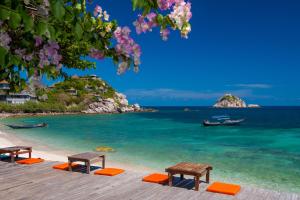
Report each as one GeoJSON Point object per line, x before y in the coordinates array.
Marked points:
{"type": "Point", "coordinates": [227, 122]}
{"type": "Point", "coordinates": [15, 126]}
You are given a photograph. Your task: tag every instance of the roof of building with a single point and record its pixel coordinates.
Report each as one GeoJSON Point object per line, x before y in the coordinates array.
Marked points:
{"type": "Point", "coordinates": [3, 82]}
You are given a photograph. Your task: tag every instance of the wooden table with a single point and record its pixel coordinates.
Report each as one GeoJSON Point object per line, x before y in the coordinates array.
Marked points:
{"type": "Point", "coordinates": [193, 169]}
{"type": "Point", "coordinates": [16, 151]}
{"type": "Point", "coordinates": [88, 158]}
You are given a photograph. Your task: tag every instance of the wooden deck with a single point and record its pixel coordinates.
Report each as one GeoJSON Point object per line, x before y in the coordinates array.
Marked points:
{"type": "Point", "coordinates": [41, 182]}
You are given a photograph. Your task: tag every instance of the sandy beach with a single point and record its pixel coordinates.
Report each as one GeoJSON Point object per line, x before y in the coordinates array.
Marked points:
{"type": "Point", "coordinates": [42, 151]}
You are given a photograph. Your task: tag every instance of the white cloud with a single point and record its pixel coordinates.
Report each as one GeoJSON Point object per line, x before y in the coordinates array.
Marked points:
{"type": "Point", "coordinates": [252, 85]}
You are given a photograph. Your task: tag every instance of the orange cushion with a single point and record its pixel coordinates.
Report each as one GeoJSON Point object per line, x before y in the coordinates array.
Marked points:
{"type": "Point", "coordinates": [30, 161]}
{"type": "Point", "coordinates": [156, 178]}
{"type": "Point", "coordinates": [109, 171]}
{"type": "Point", "coordinates": [224, 188]}
{"type": "Point", "coordinates": [64, 166]}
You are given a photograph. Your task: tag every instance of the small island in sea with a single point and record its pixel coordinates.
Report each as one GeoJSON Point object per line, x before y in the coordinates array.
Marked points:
{"type": "Point", "coordinates": [231, 101]}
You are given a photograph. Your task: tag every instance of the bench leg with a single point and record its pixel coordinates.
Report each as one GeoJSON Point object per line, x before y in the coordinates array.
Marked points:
{"type": "Point", "coordinates": [70, 165]}
{"type": "Point", "coordinates": [181, 176]}
{"type": "Point", "coordinates": [29, 154]}
{"type": "Point", "coordinates": [197, 182]}
{"type": "Point", "coordinates": [170, 179]}
{"type": "Point", "coordinates": [88, 167]}
{"type": "Point", "coordinates": [103, 161]}
{"type": "Point", "coordinates": [207, 176]}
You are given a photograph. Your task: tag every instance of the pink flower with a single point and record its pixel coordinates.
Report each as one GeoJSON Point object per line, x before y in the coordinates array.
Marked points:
{"type": "Point", "coordinates": [97, 10]}
{"type": "Point", "coordinates": [144, 24]}
{"type": "Point", "coordinates": [164, 33]}
{"type": "Point", "coordinates": [126, 47]}
{"type": "Point", "coordinates": [95, 53]}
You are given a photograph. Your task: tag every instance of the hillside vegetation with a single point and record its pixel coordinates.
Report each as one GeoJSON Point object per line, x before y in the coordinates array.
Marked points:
{"type": "Point", "coordinates": [71, 95]}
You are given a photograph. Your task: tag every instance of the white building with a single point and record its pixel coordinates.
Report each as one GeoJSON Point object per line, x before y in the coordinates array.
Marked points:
{"type": "Point", "coordinates": [13, 98]}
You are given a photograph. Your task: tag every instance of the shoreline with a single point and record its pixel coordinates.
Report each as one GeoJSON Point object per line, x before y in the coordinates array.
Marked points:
{"type": "Point", "coordinates": [50, 154]}
{"type": "Point", "coordinates": [15, 115]}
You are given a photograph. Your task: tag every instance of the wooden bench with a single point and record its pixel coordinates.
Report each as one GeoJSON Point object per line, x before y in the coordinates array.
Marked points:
{"type": "Point", "coordinates": [88, 158]}
{"type": "Point", "coordinates": [193, 169]}
{"type": "Point", "coordinates": [16, 151]}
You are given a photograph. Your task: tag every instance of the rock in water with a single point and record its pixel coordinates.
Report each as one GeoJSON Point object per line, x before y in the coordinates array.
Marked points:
{"type": "Point", "coordinates": [230, 101]}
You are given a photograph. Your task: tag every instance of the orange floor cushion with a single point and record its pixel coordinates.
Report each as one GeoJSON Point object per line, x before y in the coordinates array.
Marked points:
{"type": "Point", "coordinates": [156, 178]}
{"type": "Point", "coordinates": [224, 188]}
{"type": "Point", "coordinates": [30, 161]}
{"type": "Point", "coordinates": [109, 171]}
{"type": "Point", "coordinates": [64, 166]}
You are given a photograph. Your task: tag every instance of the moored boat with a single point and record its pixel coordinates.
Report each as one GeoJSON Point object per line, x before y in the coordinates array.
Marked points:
{"type": "Point", "coordinates": [14, 126]}
{"type": "Point", "coordinates": [227, 122]}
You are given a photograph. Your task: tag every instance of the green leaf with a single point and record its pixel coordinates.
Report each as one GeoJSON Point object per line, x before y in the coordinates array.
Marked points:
{"type": "Point", "coordinates": [14, 60]}
{"type": "Point", "coordinates": [52, 32]}
{"type": "Point", "coordinates": [3, 53]}
{"type": "Point", "coordinates": [4, 14]}
{"type": "Point", "coordinates": [58, 9]}
{"type": "Point", "coordinates": [78, 31]}
{"type": "Point", "coordinates": [28, 22]}
{"type": "Point", "coordinates": [41, 28]}
{"type": "Point", "coordinates": [15, 20]}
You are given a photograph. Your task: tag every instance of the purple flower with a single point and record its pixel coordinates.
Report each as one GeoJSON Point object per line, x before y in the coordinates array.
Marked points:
{"type": "Point", "coordinates": [5, 40]}
{"type": "Point", "coordinates": [38, 41]}
{"type": "Point", "coordinates": [49, 54]}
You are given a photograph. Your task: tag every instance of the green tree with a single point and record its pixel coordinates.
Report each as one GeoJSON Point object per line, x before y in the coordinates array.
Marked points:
{"type": "Point", "coordinates": [41, 37]}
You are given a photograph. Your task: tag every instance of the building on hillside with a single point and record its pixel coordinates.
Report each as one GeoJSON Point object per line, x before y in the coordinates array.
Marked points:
{"type": "Point", "coordinates": [17, 98]}
{"type": "Point", "coordinates": [14, 98]}
{"type": "Point", "coordinates": [4, 85]}
{"type": "Point", "coordinates": [72, 91]}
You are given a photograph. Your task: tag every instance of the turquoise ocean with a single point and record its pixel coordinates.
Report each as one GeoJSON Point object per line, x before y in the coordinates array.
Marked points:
{"type": "Point", "coordinates": [263, 151]}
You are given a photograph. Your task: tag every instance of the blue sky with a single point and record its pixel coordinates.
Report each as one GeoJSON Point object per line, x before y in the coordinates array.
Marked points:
{"type": "Point", "coordinates": [250, 48]}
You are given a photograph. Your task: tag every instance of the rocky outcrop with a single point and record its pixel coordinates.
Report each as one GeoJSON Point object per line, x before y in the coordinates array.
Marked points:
{"type": "Point", "coordinates": [118, 104]}
{"type": "Point", "coordinates": [230, 101]}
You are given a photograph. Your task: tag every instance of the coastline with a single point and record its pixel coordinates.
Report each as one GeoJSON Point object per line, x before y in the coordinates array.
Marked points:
{"type": "Point", "coordinates": [47, 153]}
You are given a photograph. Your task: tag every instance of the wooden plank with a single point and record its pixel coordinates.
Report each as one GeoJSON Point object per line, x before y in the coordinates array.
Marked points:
{"type": "Point", "coordinates": [40, 181]}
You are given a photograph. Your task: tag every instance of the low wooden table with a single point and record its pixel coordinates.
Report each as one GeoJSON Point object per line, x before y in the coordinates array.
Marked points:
{"type": "Point", "coordinates": [88, 158]}
{"type": "Point", "coordinates": [193, 169]}
{"type": "Point", "coordinates": [16, 151]}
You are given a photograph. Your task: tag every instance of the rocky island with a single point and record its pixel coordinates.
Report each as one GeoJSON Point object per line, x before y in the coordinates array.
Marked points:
{"type": "Point", "coordinates": [231, 101]}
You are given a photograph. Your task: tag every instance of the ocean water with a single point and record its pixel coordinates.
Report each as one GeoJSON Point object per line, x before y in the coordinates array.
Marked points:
{"type": "Point", "coordinates": [263, 151]}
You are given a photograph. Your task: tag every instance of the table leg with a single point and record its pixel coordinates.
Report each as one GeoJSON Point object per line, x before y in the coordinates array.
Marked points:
{"type": "Point", "coordinates": [207, 176]}
{"type": "Point", "coordinates": [88, 167]}
{"type": "Point", "coordinates": [181, 176]}
{"type": "Point", "coordinates": [197, 182]}
{"type": "Point", "coordinates": [170, 179]}
{"type": "Point", "coordinates": [12, 158]}
{"type": "Point", "coordinates": [29, 154]}
{"type": "Point", "coordinates": [70, 165]}
{"type": "Point", "coordinates": [103, 161]}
